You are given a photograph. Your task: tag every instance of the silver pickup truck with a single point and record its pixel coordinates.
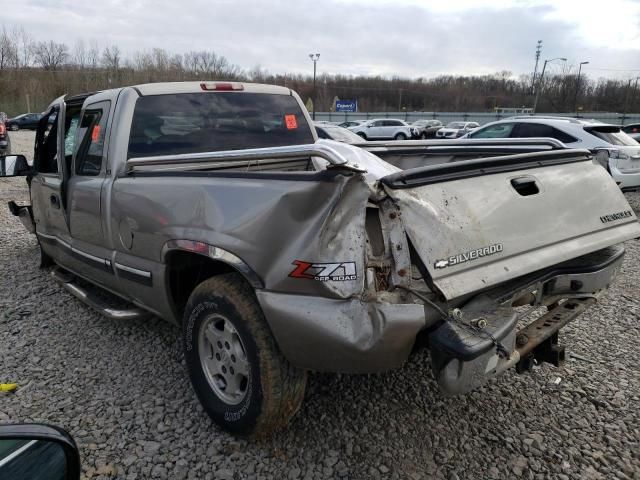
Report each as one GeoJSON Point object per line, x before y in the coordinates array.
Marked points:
{"type": "Point", "coordinates": [214, 206]}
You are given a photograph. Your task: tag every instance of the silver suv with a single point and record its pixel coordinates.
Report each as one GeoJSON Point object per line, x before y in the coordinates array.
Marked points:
{"type": "Point", "coordinates": [384, 129]}
{"type": "Point", "coordinates": [613, 148]}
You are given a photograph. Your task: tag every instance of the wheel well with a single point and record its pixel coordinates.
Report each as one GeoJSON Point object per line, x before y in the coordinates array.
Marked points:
{"type": "Point", "coordinates": [185, 271]}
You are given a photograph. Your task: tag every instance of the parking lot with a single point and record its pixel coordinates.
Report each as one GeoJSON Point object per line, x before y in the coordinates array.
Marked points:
{"type": "Point", "coordinates": [122, 391]}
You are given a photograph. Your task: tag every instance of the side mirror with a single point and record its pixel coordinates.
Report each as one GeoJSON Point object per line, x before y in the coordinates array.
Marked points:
{"type": "Point", "coordinates": [38, 451]}
{"type": "Point", "coordinates": [14, 166]}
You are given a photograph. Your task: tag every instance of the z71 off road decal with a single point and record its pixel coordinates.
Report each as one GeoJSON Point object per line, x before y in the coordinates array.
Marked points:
{"type": "Point", "coordinates": [469, 256]}
{"type": "Point", "coordinates": [324, 272]}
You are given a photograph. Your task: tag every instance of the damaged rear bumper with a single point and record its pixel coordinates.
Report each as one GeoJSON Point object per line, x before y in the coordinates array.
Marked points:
{"type": "Point", "coordinates": [483, 339]}
{"type": "Point", "coordinates": [356, 336]}
{"type": "Point", "coordinates": [350, 336]}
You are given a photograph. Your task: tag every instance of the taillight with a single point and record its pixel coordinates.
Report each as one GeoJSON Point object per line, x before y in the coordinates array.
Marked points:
{"type": "Point", "coordinates": [3, 129]}
{"type": "Point", "coordinates": [222, 86]}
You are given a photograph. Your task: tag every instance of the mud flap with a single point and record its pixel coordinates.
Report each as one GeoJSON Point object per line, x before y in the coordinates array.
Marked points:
{"type": "Point", "coordinates": [25, 214]}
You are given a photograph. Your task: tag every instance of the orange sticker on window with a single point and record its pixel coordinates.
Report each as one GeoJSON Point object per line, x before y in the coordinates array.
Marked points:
{"type": "Point", "coordinates": [291, 122]}
{"type": "Point", "coordinates": [95, 134]}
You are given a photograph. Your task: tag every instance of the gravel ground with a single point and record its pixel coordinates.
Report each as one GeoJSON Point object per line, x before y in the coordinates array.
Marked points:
{"type": "Point", "coordinates": [122, 391]}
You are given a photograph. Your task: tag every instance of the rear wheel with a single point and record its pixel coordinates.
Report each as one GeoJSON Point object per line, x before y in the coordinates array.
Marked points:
{"type": "Point", "coordinates": [243, 381]}
{"type": "Point", "coordinates": [400, 136]}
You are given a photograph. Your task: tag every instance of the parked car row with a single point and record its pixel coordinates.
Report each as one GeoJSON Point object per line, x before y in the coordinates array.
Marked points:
{"type": "Point", "coordinates": [392, 128]}
{"type": "Point", "coordinates": [613, 148]}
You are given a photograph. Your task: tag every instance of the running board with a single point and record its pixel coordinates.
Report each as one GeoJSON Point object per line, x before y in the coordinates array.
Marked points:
{"type": "Point", "coordinates": [66, 279]}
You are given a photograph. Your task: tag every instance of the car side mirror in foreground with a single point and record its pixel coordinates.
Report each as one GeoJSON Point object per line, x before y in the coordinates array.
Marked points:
{"type": "Point", "coordinates": [38, 452]}
{"type": "Point", "coordinates": [14, 166]}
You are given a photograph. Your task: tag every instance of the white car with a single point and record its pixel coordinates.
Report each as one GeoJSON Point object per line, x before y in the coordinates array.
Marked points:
{"type": "Point", "coordinates": [456, 129]}
{"type": "Point", "coordinates": [384, 129]}
{"type": "Point", "coordinates": [613, 148]}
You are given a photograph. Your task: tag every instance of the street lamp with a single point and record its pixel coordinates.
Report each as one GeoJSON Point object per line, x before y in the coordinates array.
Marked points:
{"type": "Point", "coordinates": [575, 98]}
{"type": "Point", "coordinates": [314, 58]}
{"type": "Point", "coordinates": [544, 67]}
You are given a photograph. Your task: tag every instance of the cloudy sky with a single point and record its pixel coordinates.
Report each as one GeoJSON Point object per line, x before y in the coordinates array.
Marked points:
{"type": "Point", "coordinates": [389, 37]}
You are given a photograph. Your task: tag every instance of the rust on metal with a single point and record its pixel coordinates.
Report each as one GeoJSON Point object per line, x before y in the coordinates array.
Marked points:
{"type": "Point", "coordinates": [548, 324]}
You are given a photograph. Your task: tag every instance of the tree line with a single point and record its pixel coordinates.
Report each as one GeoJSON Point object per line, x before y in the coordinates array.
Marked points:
{"type": "Point", "coordinates": [32, 73]}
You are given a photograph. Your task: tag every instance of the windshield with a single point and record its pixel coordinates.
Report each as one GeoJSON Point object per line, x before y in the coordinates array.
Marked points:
{"type": "Point", "coordinates": [342, 134]}
{"type": "Point", "coordinates": [613, 136]}
{"type": "Point", "coordinates": [455, 125]}
{"type": "Point", "coordinates": [205, 122]}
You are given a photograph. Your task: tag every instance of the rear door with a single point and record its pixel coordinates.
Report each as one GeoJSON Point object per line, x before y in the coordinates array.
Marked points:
{"type": "Point", "coordinates": [478, 223]}
{"type": "Point", "coordinates": [84, 192]}
{"type": "Point", "coordinates": [391, 128]}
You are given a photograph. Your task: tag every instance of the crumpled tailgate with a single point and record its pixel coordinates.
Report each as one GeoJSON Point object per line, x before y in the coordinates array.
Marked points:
{"type": "Point", "coordinates": [476, 228]}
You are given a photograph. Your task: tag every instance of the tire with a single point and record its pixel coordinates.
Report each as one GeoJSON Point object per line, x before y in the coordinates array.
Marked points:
{"type": "Point", "coordinates": [14, 128]}
{"type": "Point", "coordinates": [424, 135]}
{"type": "Point", "coordinates": [363, 135]}
{"type": "Point", "coordinates": [400, 136]}
{"type": "Point", "coordinates": [272, 390]}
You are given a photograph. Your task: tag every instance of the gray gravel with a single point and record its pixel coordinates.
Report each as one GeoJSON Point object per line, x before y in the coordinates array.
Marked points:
{"type": "Point", "coordinates": [122, 391]}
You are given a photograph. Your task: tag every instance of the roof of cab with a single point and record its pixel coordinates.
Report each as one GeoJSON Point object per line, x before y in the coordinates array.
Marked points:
{"type": "Point", "coordinates": [164, 88]}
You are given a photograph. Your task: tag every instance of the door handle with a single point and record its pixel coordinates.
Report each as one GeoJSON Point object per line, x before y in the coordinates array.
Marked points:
{"type": "Point", "coordinates": [525, 186]}
{"type": "Point", "coordinates": [55, 201]}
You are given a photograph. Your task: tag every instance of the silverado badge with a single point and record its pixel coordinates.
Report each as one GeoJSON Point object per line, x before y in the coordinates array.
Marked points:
{"type": "Point", "coordinates": [469, 256]}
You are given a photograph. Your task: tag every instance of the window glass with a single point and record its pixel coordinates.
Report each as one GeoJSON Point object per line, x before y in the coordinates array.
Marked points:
{"type": "Point", "coordinates": [46, 145]}
{"type": "Point", "coordinates": [500, 130]}
{"type": "Point", "coordinates": [634, 128]}
{"type": "Point", "coordinates": [341, 135]}
{"type": "Point", "coordinates": [91, 135]}
{"type": "Point", "coordinates": [205, 122]}
{"type": "Point", "coordinates": [73, 118]}
{"type": "Point", "coordinates": [377, 123]}
{"type": "Point", "coordinates": [539, 130]}
{"type": "Point", "coordinates": [322, 133]}
{"type": "Point", "coordinates": [616, 137]}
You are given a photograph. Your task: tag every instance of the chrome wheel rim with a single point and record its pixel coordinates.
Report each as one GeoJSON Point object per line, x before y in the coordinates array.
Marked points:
{"type": "Point", "coordinates": [223, 359]}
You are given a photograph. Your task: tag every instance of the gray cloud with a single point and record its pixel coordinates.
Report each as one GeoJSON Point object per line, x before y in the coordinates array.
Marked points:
{"type": "Point", "coordinates": [353, 38]}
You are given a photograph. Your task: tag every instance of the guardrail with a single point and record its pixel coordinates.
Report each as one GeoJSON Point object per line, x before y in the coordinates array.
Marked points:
{"type": "Point", "coordinates": [480, 117]}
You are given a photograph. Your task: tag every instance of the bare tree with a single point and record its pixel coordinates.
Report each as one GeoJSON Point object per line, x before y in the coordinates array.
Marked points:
{"type": "Point", "coordinates": [8, 50]}
{"type": "Point", "coordinates": [80, 55]}
{"type": "Point", "coordinates": [111, 58]}
{"type": "Point", "coordinates": [50, 55]}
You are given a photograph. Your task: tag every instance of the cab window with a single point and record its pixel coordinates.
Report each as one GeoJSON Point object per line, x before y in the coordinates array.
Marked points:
{"type": "Point", "coordinates": [90, 138]}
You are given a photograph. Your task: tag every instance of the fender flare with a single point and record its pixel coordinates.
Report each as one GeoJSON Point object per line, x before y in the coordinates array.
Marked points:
{"type": "Point", "coordinates": [214, 253]}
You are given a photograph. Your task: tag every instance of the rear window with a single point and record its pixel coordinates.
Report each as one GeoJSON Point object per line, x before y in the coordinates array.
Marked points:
{"type": "Point", "coordinates": [635, 128]}
{"type": "Point", "coordinates": [533, 130]}
{"type": "Point", "coordinates": [612, 135]}
{"type": "Point", "coordinates": [204, 122]}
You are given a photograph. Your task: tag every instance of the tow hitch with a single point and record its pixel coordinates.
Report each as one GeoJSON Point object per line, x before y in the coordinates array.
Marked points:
{"type": "Point", "coordinates": [538, 341]}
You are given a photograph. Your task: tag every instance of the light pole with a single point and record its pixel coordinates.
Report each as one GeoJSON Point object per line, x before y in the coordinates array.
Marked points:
{"type": "Point", "coordinates": [314, 58]}
{"type": "Point", "coordinates": [544, 67]}
{"type": "Point", "coordinates": [575, 98]}
{"type": "Point", "coordinates": [626, 98]}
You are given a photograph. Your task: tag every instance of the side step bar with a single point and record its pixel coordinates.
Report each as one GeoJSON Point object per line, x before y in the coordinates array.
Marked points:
{"type": "Point", "coordinates": [66, 279]}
